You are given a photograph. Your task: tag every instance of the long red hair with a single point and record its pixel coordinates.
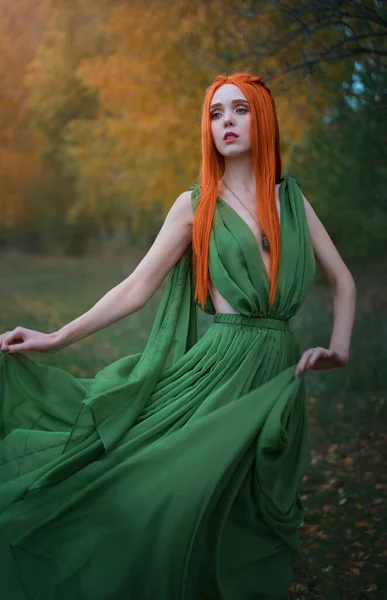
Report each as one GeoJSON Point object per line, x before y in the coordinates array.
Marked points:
{"type": "Point", "coordinates": [266, 159]}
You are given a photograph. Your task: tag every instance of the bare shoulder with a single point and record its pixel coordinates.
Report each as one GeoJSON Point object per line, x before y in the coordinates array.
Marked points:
{"type": "Point", "coordinates": [182, 207]}
{"type": "Point", "coordinates": [334, 268]}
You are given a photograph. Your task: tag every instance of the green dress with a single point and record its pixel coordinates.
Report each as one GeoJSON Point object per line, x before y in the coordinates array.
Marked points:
{"type": "Point", "coordinates": [173, 474]}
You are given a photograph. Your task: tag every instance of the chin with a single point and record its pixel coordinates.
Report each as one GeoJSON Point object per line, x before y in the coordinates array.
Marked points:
{"type": "Point", "coordinates": [234, 151]}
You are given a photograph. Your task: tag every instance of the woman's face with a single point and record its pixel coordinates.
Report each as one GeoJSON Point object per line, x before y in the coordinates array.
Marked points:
{"type": "Point", "coordinates": [230, 112]}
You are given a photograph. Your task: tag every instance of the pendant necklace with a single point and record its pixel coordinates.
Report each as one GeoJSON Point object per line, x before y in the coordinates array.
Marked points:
{"type": "Point", "coordinates": [265, 241]}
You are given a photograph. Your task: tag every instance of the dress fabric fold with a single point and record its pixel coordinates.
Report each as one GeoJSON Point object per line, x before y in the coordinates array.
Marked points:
{"type": "Point", "coordinates": [174, 473]}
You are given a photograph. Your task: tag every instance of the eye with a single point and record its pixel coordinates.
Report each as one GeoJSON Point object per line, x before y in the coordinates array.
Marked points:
{"type": "Point", "coordinates": [218, 113]}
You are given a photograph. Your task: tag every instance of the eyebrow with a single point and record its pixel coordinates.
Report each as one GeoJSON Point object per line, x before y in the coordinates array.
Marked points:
{"type": "Point", "coordinates": [240, 101]}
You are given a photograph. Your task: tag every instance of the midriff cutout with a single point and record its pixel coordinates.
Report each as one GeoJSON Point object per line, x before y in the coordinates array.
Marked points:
{"type": "Point", "coordinates": [220, 303]}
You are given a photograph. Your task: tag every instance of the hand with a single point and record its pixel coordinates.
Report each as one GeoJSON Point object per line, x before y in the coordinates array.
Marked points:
{"type": "Point", "coordinates": [22, 339]}
{"type": "Point", "coordinates": [320, 359]}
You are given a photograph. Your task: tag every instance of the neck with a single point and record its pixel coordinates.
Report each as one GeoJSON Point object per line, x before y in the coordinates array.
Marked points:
{"type": "Point", "coordinates": [239, 174]}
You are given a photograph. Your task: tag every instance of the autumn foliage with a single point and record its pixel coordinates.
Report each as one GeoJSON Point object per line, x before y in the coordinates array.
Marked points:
{"type": "Point", "coordinates": [100, 110]}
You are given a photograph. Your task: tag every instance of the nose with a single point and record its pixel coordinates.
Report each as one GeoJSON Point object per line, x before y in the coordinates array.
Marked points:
{"type": "Point", "coordinates": [228, 120]}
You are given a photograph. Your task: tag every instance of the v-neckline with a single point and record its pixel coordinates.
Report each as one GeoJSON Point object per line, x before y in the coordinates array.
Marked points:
{"type": "Point", "coordinates": [252, 232]}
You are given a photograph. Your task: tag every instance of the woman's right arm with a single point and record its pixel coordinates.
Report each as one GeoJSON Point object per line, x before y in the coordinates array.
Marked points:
{"type": "Point", "coordinates": [124, 299]}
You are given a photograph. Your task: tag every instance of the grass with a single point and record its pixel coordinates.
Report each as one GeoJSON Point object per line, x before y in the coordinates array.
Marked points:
{"type": "Point", "coordinates": [344, 532]}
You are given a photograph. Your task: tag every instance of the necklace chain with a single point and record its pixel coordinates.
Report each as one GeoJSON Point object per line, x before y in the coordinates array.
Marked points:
{"type": "Point", "coordinates": [265, 241]}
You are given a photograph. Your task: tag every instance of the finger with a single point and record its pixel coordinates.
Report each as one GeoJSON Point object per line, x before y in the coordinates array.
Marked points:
{"type": "Point", "coordinates": [300, 368]}
{"type": "Point", "coordinates": [16, 348]}
{"type": "Point", "coordinates": [308, 355]}
{"type": "Point", "coordinates": [8, 338]}
{"type": "Point", "coordinates": [313, 359]}
{"type": "Point", "coordinates": [304, 360]}
{"type": "Point", "coordinates": [10, 341]}
{"type": "Point", "coordinates": [317, 355]}
{"type": "Point", "coordinates": [4, 342]}
{"type": "Point", "coordinates": [20, 343]}
{"type": "Point", "coordinates": [15, 336]}
{"type": "Point", "coordinates": [5, 346]}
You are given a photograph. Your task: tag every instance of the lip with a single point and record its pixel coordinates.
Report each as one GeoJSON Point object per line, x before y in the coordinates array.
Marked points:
{"type": "Point", "coordinates": [229, 133]}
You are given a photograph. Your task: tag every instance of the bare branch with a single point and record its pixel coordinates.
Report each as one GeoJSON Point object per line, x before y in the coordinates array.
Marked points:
{"type": "Point", "coordinates": [359, 30]}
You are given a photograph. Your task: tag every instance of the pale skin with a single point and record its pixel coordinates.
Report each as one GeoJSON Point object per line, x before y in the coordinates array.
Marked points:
{"type": "Point", "coordinates": [231, 113]}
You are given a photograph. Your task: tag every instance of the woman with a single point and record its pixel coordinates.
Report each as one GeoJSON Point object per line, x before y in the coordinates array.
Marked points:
{"type": "Point", "coordinates": [175, 473]}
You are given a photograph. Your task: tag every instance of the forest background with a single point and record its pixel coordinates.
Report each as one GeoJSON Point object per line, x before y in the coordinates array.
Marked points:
{"type": "Point", "coordinates": [100, 132]}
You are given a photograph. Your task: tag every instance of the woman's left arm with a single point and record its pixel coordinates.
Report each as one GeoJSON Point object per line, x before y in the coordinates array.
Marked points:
{"type": "Point", "coordinates": [343, 287]}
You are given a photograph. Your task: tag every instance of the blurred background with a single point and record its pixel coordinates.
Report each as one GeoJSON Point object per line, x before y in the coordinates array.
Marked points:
{"type": "Point", "coordinates": [100, 132]}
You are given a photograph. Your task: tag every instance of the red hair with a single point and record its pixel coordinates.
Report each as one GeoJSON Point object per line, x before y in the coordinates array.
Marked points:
{"type": "Point", "coordinates": [266, 160]}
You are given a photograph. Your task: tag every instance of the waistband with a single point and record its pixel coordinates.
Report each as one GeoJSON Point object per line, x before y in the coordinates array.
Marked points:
{"type": "Point", "coordinates": [238, 319]}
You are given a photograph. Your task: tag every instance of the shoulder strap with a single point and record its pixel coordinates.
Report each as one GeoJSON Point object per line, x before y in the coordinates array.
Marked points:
{"type": "Point", "coordinates": [297, 201]}
{"type": "Point", "coordinates": [195, 195]}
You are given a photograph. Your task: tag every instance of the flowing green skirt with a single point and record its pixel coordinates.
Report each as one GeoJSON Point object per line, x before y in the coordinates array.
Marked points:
{"type": "Point", "coordinates": [199, 499]}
